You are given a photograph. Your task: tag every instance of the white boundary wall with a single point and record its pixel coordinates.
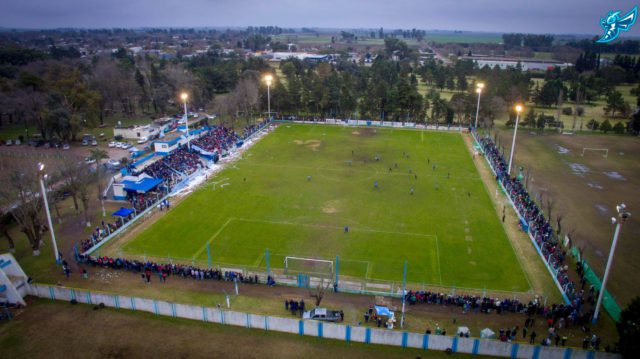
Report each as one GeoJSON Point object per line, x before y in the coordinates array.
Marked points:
{"type": "Point", "coordinates": [318, 329]}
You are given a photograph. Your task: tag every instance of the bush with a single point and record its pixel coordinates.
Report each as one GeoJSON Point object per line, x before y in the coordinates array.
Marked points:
{"type": "Point", "coordinates": [618, 128]}
{"type": "Point", "coordinates": [593, 125]}
{"type": "Point", "coordinates": [118, 138]}
{"type": "Point", "coordinates": [567, 111]}
{"type": "Point", "coordinates": [605, 126]}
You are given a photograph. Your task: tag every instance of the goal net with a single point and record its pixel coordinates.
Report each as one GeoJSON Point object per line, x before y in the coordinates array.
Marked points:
{"type": "Point", "coordinates": [604, 151]}
{"type": "Point", "coordinates": [296, 265]}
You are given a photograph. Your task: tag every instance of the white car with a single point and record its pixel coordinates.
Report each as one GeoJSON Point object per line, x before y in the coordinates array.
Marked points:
{"type": "Point", "coordinates": [94, 143]}
{"type": "Point", "coordinates": [125, 146]}
{"type": "Point", "coordinates": [66, 146]}
{"type": "Point", "coordinates": [112, 164]}
{"type": "Point", "coordinates": [142, 140]}
{"type": "Point", "coordinates": [89, 160]}
{"type": "Point", "coordinates": [112, 144]}
{"type": "Point", "coordinates": [119, 144]}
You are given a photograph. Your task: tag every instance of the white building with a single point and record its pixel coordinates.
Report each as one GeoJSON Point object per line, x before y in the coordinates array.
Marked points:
{"type": "Point", "coordinates": [526, 64]}
{"type": "Point", "coordinates": [137, 132]}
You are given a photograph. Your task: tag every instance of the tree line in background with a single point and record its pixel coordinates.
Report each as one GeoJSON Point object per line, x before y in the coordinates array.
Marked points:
{"type": "Point", "coordinates": [61, 94]}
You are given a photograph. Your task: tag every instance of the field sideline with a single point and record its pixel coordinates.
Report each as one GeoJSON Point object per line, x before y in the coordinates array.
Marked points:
{"type": "Point", "coordinates": [296, 190]}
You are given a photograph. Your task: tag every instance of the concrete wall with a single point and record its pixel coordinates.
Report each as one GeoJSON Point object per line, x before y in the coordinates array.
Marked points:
{"type": "Point", "coordinates": [318, 329]}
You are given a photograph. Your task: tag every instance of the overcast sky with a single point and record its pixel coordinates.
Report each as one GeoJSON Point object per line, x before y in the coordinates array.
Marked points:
{"type": "Point", "coordinates": [536, 16]}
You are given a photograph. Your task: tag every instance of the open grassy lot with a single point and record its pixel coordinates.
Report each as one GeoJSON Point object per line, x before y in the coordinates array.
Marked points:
{"type": "Point", "coordinates": [57, 330]}
{"type": "Point", "coordinates": [585, 190]}
{"type": "Point", "coordinates": [447, 230]}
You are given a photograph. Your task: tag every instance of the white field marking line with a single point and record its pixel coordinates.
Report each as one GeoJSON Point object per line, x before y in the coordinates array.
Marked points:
{"type": "Point", "coordinates": [494, 202]}
{"type": "Point", "coordinates": [334, 227]}
{"type": "Point", "coordinates": [438, 260]}
{"type": "Point", "coordinates": [366, 274]}
{"type": "Point", "coordinates": [213, 237]}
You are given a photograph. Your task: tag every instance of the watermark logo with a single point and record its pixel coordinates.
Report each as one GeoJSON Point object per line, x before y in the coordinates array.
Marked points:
{"type": "Point", "coordinates": [613, 24]}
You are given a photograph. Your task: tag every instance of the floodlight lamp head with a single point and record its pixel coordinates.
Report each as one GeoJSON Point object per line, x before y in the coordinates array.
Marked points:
{"type": "Point", "coordinates": [268, 78]}
{"type": "Point", "coordinates": [478, 90]}
{"type": "Point", "coordinates": [614, 220]}
{"type": "Point", "coordinates": [40, 166]}
{"type": "Point", "coordinates": [519, 108]}
{"type": "Point", "coordinates": [480, 86]}
{"type": "Point", "coordinates": [184, 96]}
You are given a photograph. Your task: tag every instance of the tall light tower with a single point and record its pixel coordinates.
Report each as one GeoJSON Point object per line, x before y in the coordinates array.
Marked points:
{"type": "Point", "coordinates": [184, 98]}
{"type": "Point", "coordinates": [43, 192]}
{"type": "Point", "coordinates": [622, 217]}
{"type": "Point", "coordinates": [479, 88]}
{"type": "Point", "coordinates": [268, 79]}
{"type": "Point", "coordinates": [515, 131]}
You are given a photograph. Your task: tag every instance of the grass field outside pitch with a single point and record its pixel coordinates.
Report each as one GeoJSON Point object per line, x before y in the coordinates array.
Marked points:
{"type": "Point", "coordinates": [448, 230]}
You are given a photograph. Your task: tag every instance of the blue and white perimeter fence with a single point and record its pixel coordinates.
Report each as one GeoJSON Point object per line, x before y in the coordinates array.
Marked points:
{"type": "Point", "coordinates": [344, 332]}
{"type": "Point", "coordinates": [551, 270]}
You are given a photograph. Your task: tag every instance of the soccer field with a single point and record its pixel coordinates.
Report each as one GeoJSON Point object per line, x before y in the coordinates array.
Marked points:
{"type": "Point", "coordinates": [296, 190]}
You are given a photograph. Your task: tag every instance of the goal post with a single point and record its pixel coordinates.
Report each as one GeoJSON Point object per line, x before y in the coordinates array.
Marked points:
{"type": "Point", "coordinates": [299, 265]}
{"type": "Point", "coordinates": [604, 150]}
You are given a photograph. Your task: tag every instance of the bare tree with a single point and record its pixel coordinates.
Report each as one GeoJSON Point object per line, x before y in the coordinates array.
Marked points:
{"type": "Point", "coordinates": [19, 190]}
{"type": "Point", "coordinates": [318, 292]}
{"type": "Point", "coordinates": [5, 222]}
{"type": "Point", "coordinates": [559, 218]}
{"type": "Point", "coordinates": [550, 204]}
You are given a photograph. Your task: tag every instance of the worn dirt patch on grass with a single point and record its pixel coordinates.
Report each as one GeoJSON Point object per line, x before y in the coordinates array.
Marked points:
{"type": "Point", "coordinates": [313, 145]}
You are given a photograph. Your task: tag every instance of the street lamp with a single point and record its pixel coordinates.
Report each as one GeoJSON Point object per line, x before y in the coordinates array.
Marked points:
{"type": "Point", "coordinates": [268, 79]}
{"type": "Point", "coordinates": [515, 131]}
{"type": "Point", "coordinates": [42, 176]}
{"type": "Point", "coordinates": [622, 217]}
{"type": "Point", "coordinates": [479, 88]}
{"type": "Point", "coordinates": [184, 98]}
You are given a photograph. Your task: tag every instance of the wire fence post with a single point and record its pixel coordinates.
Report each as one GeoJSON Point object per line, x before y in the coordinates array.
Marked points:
{"type": "Point", "coordinates": [335, 285]}
{"type": "Point", "coordinates": [404, 289]}
{"type": "Point", "coordinates": [268, 261]}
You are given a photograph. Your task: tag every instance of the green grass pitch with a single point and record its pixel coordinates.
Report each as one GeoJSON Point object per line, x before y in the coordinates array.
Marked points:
{"type": "Point", "coordinates": [447, 230]}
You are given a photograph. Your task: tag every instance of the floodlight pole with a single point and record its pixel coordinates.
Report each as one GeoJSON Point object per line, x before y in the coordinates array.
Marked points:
{"type": "Point", "coordinates": [477, 108]}
{"type": "Point", "coordinates": [186, 121]}
{"type": "Point", "coordinates": [41, 176]}
{"type": "Point", "coordinates": [623, 215]}
{"type": "Point", "coordinates": [513, 143]}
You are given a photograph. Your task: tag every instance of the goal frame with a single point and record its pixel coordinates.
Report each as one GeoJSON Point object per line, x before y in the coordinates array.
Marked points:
{"type": "Point", "coordinates": [606, 151]}
{"type": "Point", "coordinates": [287, 269]}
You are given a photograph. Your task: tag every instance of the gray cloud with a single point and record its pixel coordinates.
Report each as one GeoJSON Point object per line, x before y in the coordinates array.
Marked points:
{"type": "Point", "coordinates": [539, 16]}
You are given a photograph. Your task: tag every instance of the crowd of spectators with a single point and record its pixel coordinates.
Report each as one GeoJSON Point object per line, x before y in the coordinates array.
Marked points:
{"type": "Point", "coordinates": [533, 216]}
{"type": "Point", "coordinates": [146, 268]}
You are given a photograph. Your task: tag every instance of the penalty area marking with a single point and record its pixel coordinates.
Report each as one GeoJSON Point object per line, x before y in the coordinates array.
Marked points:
{"type": "Point", "coordinates": [202, 249]}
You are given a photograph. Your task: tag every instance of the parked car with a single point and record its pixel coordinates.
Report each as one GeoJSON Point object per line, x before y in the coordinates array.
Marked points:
{"type": "Point", "coordinates": [119, 144]}
{"type": "Point", "coordinates": [85, 142]}
{"type": "Point", "coordinates": [8, 142]}
{"type": "Point", "coordinates": [94, 143]}
{"type": "Point", "coordinates": [112, 144]}
{"type": "Point", "coordinates": [89, 160]}
{"type": "Point", "coordinates": [112, 164]}
{"type": "Point", "coordinates": [323, 314]}
{"type": "Point", "coordinates": [66, 146]}
{"type": "Point", "coordinates": [125, 146]}
{"type": "Point", "coordinates": [142, 140]}
{"type": "Point", "coordinates": [17, 142]}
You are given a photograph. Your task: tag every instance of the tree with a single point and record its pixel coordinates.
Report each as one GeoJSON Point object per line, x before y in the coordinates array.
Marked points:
{"type": "Point", "coordinates": [615, 103]}
{"type": "Point", "coordinates": [318, 292]}
{"type": "Point", "coordinates": [19, 188]}
{"type": "Point", "coordinates": [5, 223]}
{"type": "Point", "coordinates": [605, 126]}
{"type": "Point", "coordinates": [629, 330]}
{"type": "Point", "coordinates": [98, 155]}
{"type": "Point", "coordinates": [618, 128]}
{"type": "Point", "coordinates": [593, 125]}
{"type": "Point", "coordinates": [634, 124]}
